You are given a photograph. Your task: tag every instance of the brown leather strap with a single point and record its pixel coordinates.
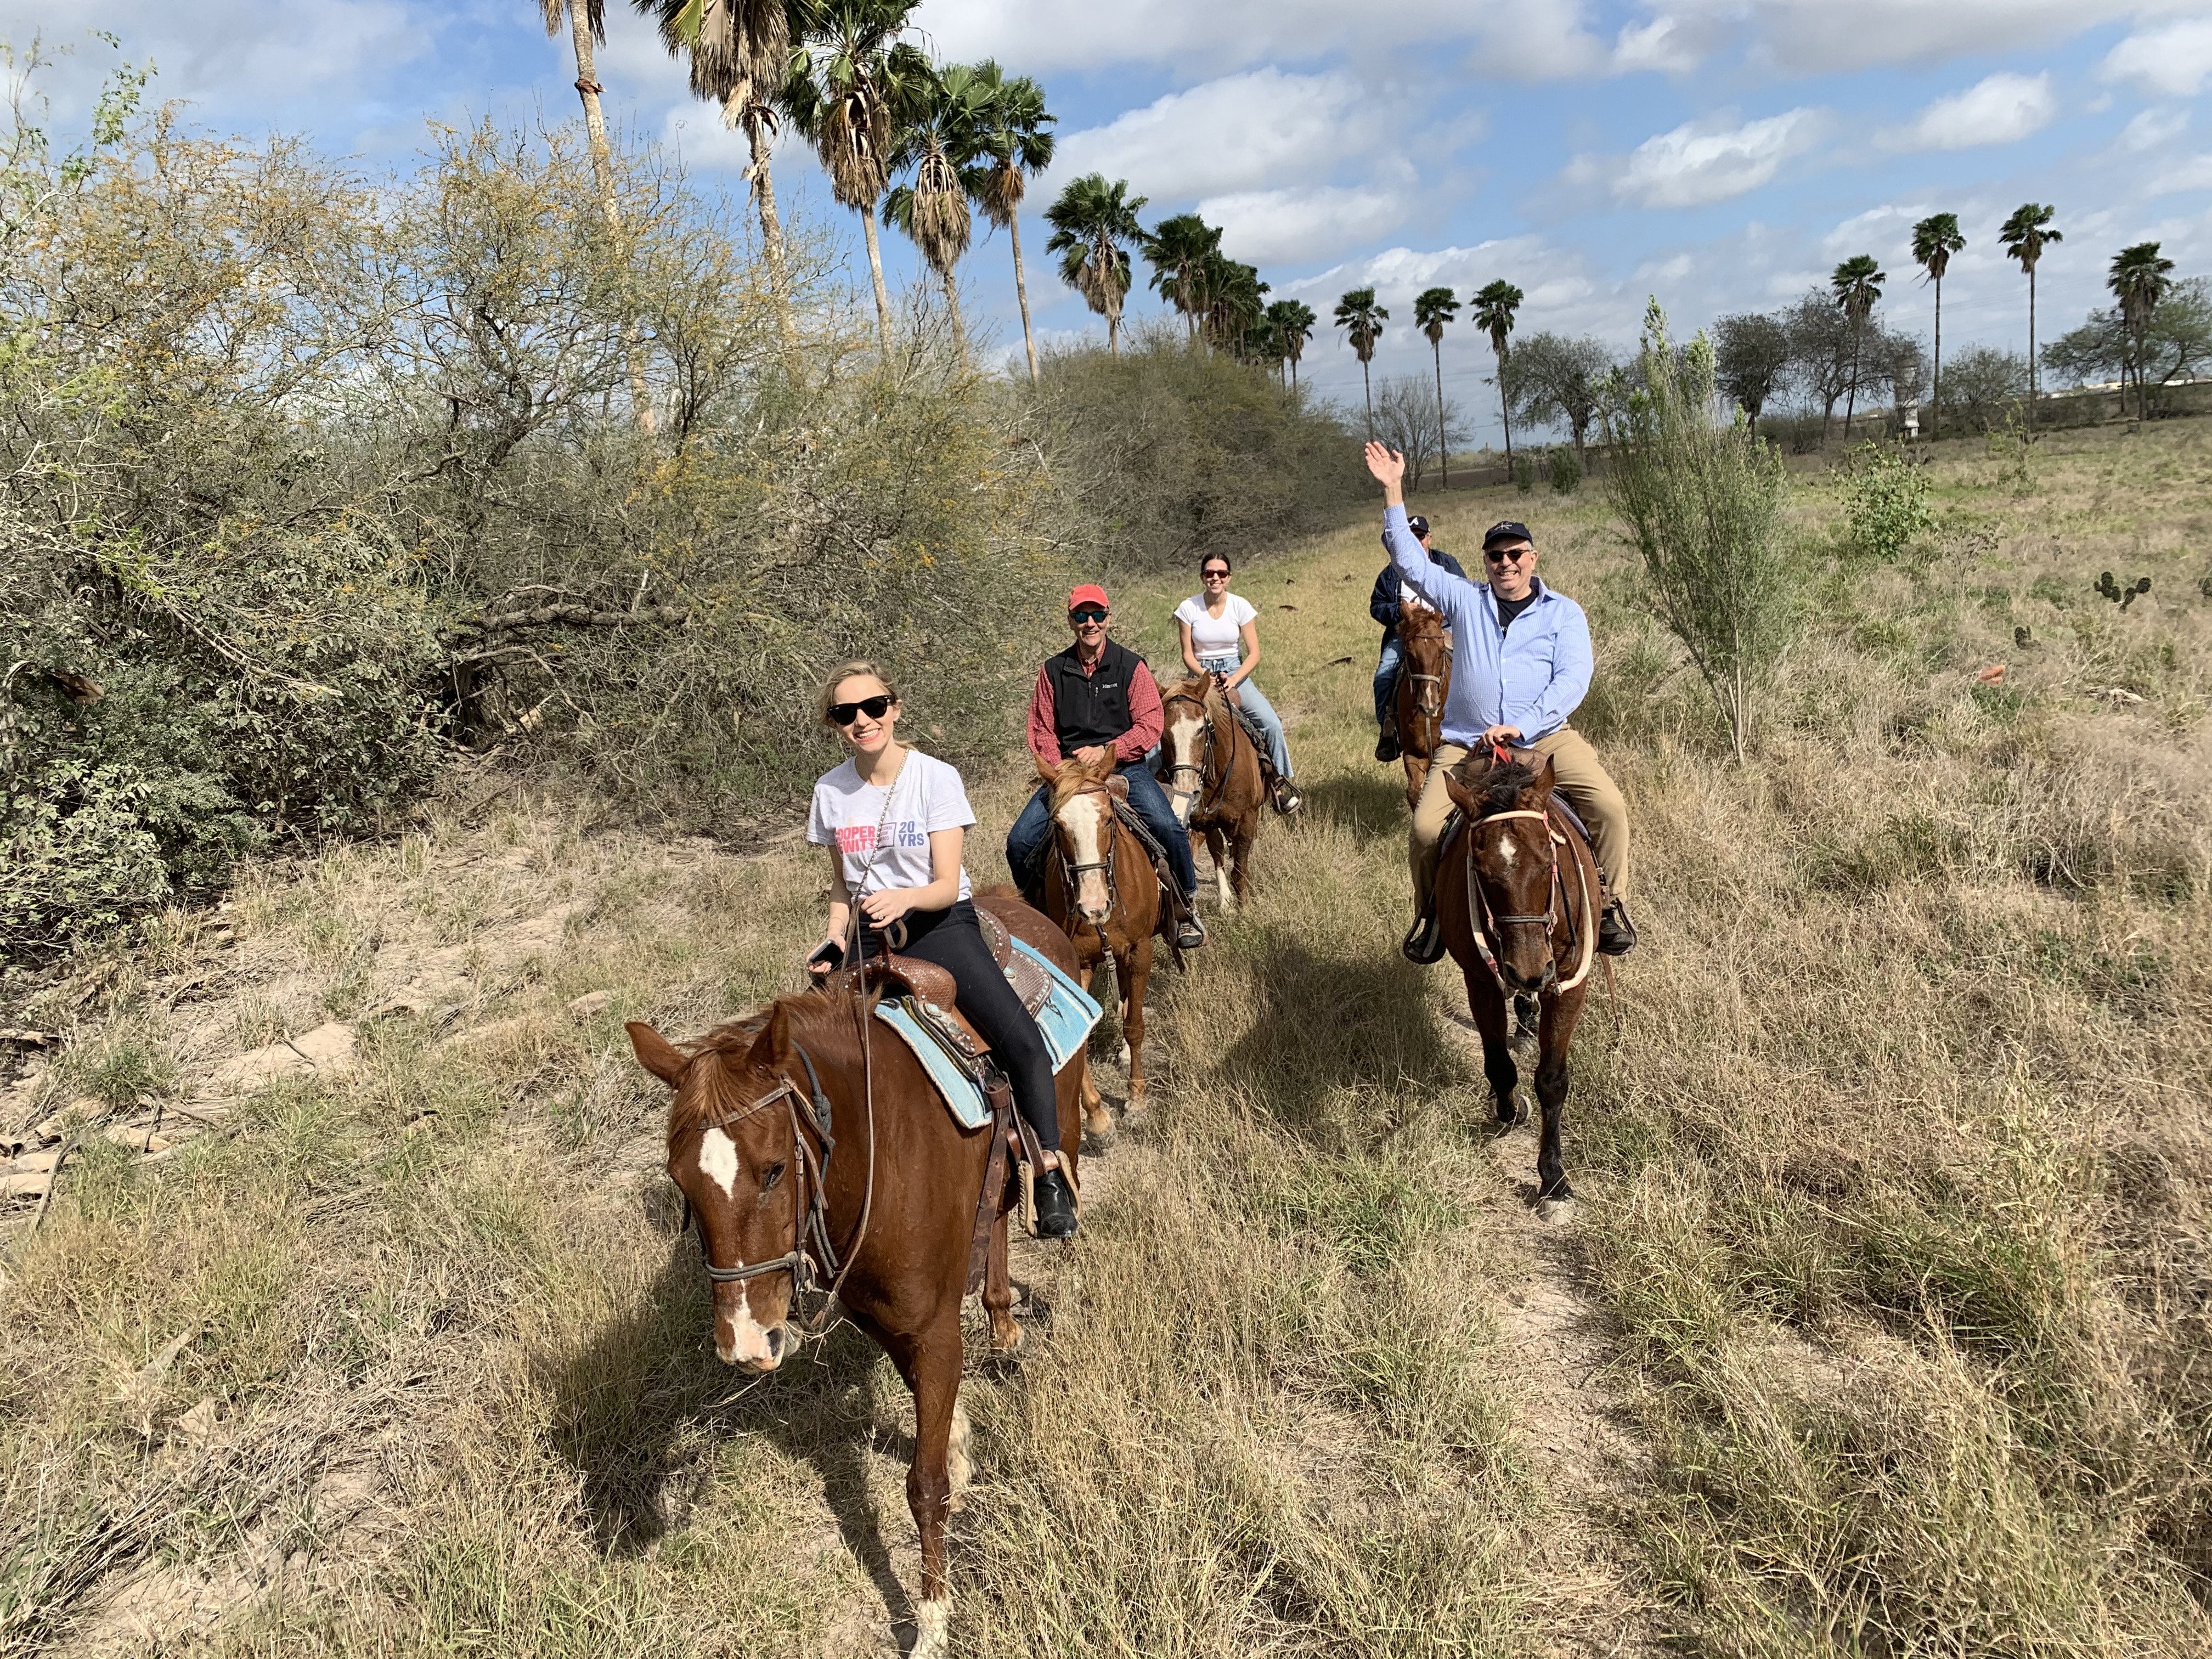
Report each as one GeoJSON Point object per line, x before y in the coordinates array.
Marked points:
{"type": "Point", "coordinates": [991, 1202]}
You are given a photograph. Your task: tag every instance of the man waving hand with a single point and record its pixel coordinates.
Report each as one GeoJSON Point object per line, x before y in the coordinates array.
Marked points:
{"type": "Point", "coordinates": [1522, 665]}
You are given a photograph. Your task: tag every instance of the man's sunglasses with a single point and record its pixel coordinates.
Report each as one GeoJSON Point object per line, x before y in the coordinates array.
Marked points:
{"type": "Point", "coordinates": [875, 707]}
{"type": "Point", "coordinates": [1500, 555]}
{"type": "Point", "coordinates": [1088, 614]}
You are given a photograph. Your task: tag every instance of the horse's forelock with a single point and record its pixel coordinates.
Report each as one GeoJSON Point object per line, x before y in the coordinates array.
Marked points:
{"type": "Point", "coordinates": [1498, 788]}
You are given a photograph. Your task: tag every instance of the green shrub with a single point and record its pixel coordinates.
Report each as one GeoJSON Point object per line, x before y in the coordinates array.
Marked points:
{"type": "Point", "coordinates": [1564, 471]}
{"type": "Point", "coordinates": [1885, 501]}
{"type": "Point", "coordinates": [1524, 473]}
{"type": "Point", "coordinates": [1167, 450]}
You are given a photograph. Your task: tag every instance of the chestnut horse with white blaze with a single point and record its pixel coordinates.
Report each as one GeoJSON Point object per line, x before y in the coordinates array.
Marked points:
{"type": "Point", "coordinates": [881, 1201]}
{"type": "Point", "coordinates": [1212, 772]}
{"type": "Point", "coordinates": [1102, 890]}
{"type": "Point", "coordinates": [1518, 896]}
{"type": "Point", "coordinates": [1419, 700]}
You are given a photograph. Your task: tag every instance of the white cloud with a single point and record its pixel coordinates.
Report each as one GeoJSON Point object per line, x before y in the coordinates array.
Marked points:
{"type": "Point", "coordinates": [2194, 174]}
{"type": "Point", "coordinates": [2000, 110]}
{"type": "Point", "coordinates": [1663, 44]}
{"type": "Point", "coordinates": [1876, 226]}
{"type": "Point", "coordinates": [1271, 227]}
{"type": "Point", "coordinates": [2174, 60]}
{"type": "Point", "coordinates": [1241, 132]}
{"type": "Point", "coordinates": [1700, 161]}
{"type": "Point", "coordinates": [1822, 37]}
{"type": "Point", "coordinates": [2151, 128]}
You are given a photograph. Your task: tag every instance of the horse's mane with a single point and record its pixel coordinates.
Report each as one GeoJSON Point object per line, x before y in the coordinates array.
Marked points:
{"type": "Point", "coordinates": [1497, 788]}
{"type": "Point", "coordinates": [1420, 619]}
{"type": "Point", "coordinates": [709, 1090]}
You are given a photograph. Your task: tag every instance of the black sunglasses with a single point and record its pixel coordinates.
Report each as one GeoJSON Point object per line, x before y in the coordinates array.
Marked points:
{"type": "Point", "coordinates": [1210, 574]}
{"type": "Point", "coordinates": [1498, 556]}
{"type": "Point", "coordinates": [1088, 614]}
{"type": "Point", "coordinates": [875, 707]}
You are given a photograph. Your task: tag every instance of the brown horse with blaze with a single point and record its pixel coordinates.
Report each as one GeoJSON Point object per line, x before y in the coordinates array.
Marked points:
{"type": "Point", "coordinates": [1418, 700]}
{"type": "Point", "coordinates": [1212, 771]}
{"type": "Point", "coordinates": [882, 1200]}
{"type": "Point", "coordinates": [1518, 898]}
{"type": "Point", "coordinates": [1102, 890]}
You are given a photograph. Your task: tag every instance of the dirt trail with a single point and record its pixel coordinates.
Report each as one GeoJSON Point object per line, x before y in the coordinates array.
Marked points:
{"type": "Point", "coordinates": [1556, 1343]}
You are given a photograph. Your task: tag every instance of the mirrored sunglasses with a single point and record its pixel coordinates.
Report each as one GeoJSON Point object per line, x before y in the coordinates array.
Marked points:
{"type": "Point", "coordinates": [1090, 613]}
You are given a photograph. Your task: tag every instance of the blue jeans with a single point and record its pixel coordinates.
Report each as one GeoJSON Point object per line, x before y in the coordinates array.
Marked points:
{"type": "Point", "coordinates": [1032, 832]}
{"type": "Point", "coordinates": [1386, 674]}
{"type": "Point", "coordinates": [1256, 705]}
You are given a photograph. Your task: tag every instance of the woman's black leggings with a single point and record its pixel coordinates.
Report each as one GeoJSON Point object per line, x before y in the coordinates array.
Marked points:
{"type": "Point", "coordinates": [953, 940]}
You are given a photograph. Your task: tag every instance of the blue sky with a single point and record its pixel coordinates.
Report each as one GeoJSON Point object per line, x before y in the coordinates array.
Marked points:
{"type": "Point", "coordinates": [1721, 155]}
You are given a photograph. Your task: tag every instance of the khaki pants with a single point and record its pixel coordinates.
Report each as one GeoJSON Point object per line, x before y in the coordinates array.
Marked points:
{"type": "Point", "coordinates": [1582, 779]}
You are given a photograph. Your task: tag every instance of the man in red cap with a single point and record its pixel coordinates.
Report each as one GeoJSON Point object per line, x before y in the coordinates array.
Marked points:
{"type": "Point", "coordinates": [1094, 697]}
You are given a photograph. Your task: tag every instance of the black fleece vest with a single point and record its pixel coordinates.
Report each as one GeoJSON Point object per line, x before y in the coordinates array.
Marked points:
{"type": "Point", "coordinates": [1091, 709]}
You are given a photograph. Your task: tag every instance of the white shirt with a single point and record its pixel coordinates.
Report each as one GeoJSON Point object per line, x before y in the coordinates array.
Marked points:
{"type": "Point", "coordinates": [1215, 637]}
{"type": "Point", "coordinates": [926, 796]}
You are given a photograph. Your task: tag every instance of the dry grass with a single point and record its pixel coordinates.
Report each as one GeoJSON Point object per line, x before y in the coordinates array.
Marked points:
{"type": "Point", "coordinates": [1894, 1172]}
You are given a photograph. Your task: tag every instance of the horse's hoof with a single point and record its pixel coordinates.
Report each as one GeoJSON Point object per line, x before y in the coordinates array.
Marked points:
{"type": "Point", "coordinates": [933, 1640]}
{"type": "Point", "coordinates": [1006, 1347]}
{"type": "Point", "coordinates": [1557, 1210]}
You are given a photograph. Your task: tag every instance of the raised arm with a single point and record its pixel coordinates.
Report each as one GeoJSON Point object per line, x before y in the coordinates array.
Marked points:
{"type": "Point", "coordinates": [1452, 595]}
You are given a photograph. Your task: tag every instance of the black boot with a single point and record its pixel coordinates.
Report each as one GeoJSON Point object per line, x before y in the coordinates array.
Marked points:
{"type": "Point", "coordinates": [1424, 943]}
{"type": "Point", "coordinates": [1055, 1204]}
{"type": "Point", "coordinates": [1616, 934]}
{"type": "Point", "coordinates": [1386, 745]}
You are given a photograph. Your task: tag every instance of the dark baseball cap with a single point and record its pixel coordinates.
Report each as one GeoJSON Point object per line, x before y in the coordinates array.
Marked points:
{"type": "Point", "coordinates": [1417, 525]}
{"type": "Point", "coordinates": [1507, 530]}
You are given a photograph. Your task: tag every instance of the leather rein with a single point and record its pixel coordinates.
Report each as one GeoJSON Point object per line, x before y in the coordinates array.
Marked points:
{"type": "Point", "coordinates": [812, 1176]}
{"type": "Point", "coordinates": [1484, 926]}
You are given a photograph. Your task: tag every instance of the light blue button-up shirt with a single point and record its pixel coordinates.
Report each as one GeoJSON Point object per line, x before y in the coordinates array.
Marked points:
{"type": "Point", "coordinates": [1532, 675]}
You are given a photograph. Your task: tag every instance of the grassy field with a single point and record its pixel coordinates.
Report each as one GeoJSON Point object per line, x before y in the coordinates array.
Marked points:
{"type": "Point", "coordinates": [1881, 1328]}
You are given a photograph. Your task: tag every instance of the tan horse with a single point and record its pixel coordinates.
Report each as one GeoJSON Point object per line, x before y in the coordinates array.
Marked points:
{"type": "Point", "coordinates": [1518, 897]}
{"type": "Point", "coordinates": [884, 1206]}
{"type": "Point", "coordinates": [1418, 700]}
{"type": "Point", "coordinates": [1100, 888]}
{"type": "Point", "coordinates": [1213, 779]}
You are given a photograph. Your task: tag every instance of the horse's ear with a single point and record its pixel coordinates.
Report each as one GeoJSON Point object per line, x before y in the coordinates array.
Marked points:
{"type": "Point", "coordinates": [1045, 769]}
{"type": "Point", "coordinates": [656, 1052]}
{"type": "Point", "coordinates": [1117, 786]}
{"type": "Point", "coordinates": [1462, 796]}
{"type": "Point", "coordinates": [1547, 777]}
{"type": "Point", "coordinates": [772, 1047]}
{"type": "Point", "coordinates": [1104, 768]}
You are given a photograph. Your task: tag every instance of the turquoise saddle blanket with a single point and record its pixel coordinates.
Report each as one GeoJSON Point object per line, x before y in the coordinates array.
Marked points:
{"type": "Point", "coordinates": [1066, 1018]}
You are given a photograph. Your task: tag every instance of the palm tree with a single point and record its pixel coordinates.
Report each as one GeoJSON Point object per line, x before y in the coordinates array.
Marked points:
{"type": "Point", "coordinates": [2024, 235]}
{"type": "Point", "coordinates": [1234, 305]}
{"type": "Point", "coordinates": [853, 83]}
{"type": "Point", "coordinates": [1009, 144]}
{"type": "Point", "coordinates": [740, 56]}
{"type": "Point", "coordinates": [1090, 222]}
{"type": "Point", "coordinates": [2139, 280]}
{"type": "Point", "coordinates": [1362, 319]}
{"type": "Point", "coordinates": [1293, 321]}
{"type": "Point", "coordinates": [1935, 240]}
{"type": "Point", "coordinates": [587, 22]}
{"type": "Point", "coordinates": [932, 210]}
{"type": "Point", "coordinates": [1177, 250]}
{"type": "Point", "coordinates": [1857, 285]}
{"type": "Point", "coordinates": [1494, 305]}
{"type": "Point", "coordinates": [1432, 309]}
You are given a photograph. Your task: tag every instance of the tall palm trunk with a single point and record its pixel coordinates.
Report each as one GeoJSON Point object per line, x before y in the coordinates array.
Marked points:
{"type": "Point", "coordinates": [1294, 375]}
{"type": "Point", "coordinates": [1443, 438]}
{"type": "Point", "coordinates": [1852, 402]}
{"type": "Point", "coordinates": [2030, 347]}
{"type": "Point", "coordinates": [1022, 293]}
{"type": "Point", "coordinates": [876, 269]}
{"type": "Point", "coordinates": [1505, 410]}
{"type": "Point", "coordinates": [1368, 380]}
{"type": "Point", "coordinates": [959, 325]}
{"type": "Point", "coordinates": [603, 175]}
{"type": "Point", "coordinates": [772, 233]}
{"type": "Point", "coordinates": [1936, 396]}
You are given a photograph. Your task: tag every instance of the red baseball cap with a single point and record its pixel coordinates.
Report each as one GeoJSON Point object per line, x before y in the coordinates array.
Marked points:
{"type": "Point", "coordinates": [1089, 593]}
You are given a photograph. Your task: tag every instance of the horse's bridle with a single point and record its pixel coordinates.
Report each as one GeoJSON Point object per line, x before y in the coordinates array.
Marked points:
{"type": "Point", "coordinates": [1206, 758]}
{"type": "Point", "coordinates": [1484, 926]}
{"type": "Point", "coordinates": [811, 1228]}
{"type": "Point", "coordinates": [1421, 698]}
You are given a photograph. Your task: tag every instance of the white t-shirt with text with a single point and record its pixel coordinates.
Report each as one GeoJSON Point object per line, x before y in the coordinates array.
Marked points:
{"type": "Point", "coordinates": [926, 796]}
{"type": "Point", "coordinates": [1215, 637]}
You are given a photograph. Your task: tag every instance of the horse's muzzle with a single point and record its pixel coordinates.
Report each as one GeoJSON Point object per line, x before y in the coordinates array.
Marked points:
{"type": "Point", "coordinates": [780, 1341]}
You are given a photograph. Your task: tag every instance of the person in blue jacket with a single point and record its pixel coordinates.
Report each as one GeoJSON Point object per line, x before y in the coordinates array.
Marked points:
{"type": "Point", "coordinates": [1385, 605]}
{"type": "Point", "coordinates": [1521, 664]}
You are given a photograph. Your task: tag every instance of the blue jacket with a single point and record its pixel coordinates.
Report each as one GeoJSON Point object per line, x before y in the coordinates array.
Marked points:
{"type": "Point", "coordinates": [1532, 675]}
{"type": "Point", "coordinates": [1382, 603]}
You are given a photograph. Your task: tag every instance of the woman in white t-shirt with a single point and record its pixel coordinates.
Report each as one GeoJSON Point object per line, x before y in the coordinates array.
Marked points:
{"type": "Point", "coordinates": [894, 819]}
{"type": "Point", "coordinates": [1221, 637]}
